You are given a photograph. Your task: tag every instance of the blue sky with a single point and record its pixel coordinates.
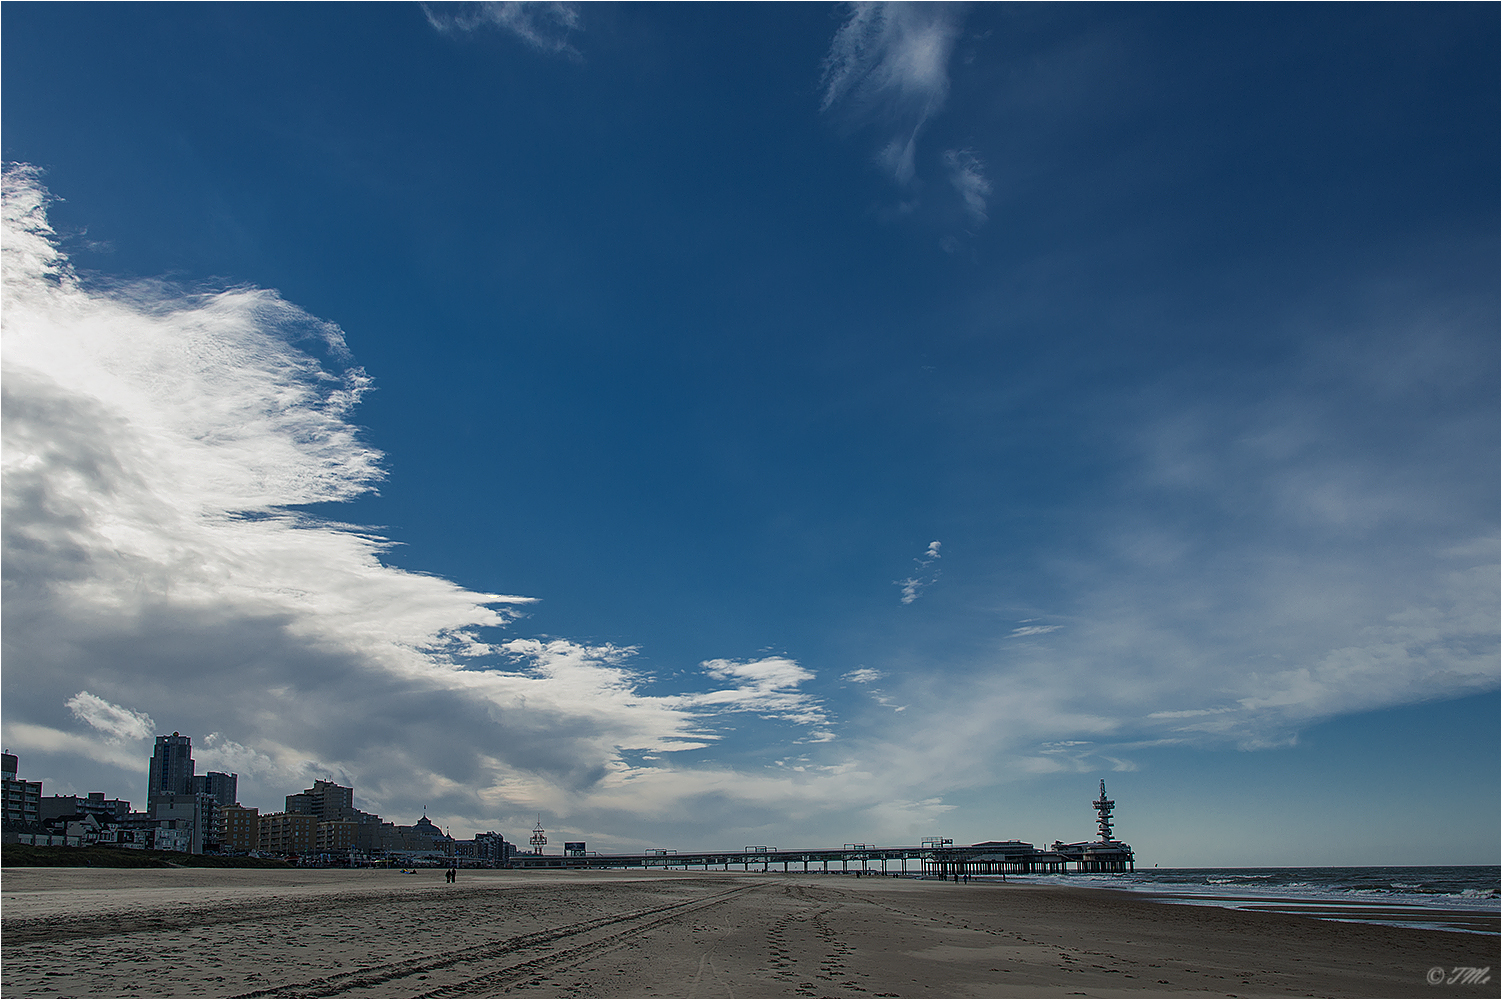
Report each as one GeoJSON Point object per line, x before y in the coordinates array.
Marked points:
{"type": "Point", "coordinates": [801, 424]}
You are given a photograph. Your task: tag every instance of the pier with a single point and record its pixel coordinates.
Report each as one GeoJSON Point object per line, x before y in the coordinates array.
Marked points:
{"type": "Point", "coordinates": [936, 857]}
{"type": "Point", "coordinates": [998, 858]}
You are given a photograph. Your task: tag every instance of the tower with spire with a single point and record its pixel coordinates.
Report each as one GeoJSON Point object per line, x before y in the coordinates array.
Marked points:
{"type": "Point", "coordinates": [1103, 807]}
{"type": "Point", "coordinates": [1106, 854]}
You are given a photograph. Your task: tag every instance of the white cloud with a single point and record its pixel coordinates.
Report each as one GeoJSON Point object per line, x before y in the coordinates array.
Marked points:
{"type": "Point", "coordinates": [767, 674]}
{"type": "Point", "coordinates": [1276, 560]}
{"type": "Point", "coordinates": [967, 174]}
{"type": "Point", "coordinates": [112, 720]}
{"type": "Point", "coordinates": [544, 26]}
{"type": "Point", "coordinates": [1023, 630]}
{"type": "Point", "coordinates": [913, 586]}
{"type": "Point", "coordinates": [867, 676]}
{"type": "Point", "coordinates": [21, 737]}
{"type": "Point", "coordinates": [215, 753]}
{"type": "Point", "coordinates": [1303, 544]}
{"type": "Point", "coordinates": [155, 442]}
{"type": "Point", "coordinates": [1188, 713]}
{"type": "Point", "coordinates": [768, 687]}
{"type": "Point", "coordinates": [889, 64]}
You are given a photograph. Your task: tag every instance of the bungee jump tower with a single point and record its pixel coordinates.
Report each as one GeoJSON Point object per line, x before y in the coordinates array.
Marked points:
{"type": "Point", "coordinates": [1104, 855]}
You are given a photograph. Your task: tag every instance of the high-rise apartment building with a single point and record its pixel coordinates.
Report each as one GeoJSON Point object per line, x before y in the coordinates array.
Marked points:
{"type": "Point", "coordinates": [22, 799]}
{"type": "Point", "coordinates": [325, 800]}
{"type": "Point", "coordinates": [219, 785]}
{"type": "Point", "coordinates": [171, 767]}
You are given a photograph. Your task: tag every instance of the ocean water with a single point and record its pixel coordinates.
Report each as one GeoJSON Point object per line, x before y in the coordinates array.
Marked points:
{"type": "Point", "coordinates": [1443, 897]}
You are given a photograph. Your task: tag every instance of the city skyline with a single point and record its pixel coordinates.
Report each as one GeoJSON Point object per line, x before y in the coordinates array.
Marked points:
{"type": "Point", "coordinates": [231, 827]}
{"type": "Point", "coordinates": [802, 424]}
{"type": "Point", "coordinates": [200, 814]}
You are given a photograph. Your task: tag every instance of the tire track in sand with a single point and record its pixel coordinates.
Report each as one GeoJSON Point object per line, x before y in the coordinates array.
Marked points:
{"type": "Point", "coordinates": [378, 975]}
{"type": "Point", "coordinates": [589, 949]}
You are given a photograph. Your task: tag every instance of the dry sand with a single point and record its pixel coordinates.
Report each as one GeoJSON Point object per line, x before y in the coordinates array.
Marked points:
{"type": "Point", "coordinates": [226, 932]}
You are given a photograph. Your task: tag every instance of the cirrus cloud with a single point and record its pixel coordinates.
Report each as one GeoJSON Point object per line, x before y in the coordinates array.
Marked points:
{"type": "Point", "coordinates": [889, 64]}
{"type": "Point", "coordinates": [546, 27]}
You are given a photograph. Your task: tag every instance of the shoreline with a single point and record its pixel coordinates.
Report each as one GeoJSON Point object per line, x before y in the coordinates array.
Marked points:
{"type": "Point", "coordinates": [1396, 904]}
{"type": "Point", "coordinates": [1440, 918]}
{"type": "Point", "coordinates": [364, 932]}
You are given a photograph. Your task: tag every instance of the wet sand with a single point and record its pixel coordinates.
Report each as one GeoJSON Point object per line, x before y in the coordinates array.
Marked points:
{"type": "Point", "coordinates": [226, 932]}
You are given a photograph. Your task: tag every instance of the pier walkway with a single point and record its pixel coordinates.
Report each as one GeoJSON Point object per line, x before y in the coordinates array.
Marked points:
{"type": "Point", "coordinates": [936, 856]}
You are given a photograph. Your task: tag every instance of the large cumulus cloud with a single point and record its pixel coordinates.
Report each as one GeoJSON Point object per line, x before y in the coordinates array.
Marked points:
{"type": "Point", "coordinates": [158, 571]}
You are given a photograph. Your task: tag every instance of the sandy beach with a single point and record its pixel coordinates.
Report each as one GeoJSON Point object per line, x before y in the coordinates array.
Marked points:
{"type": "Point", "coordinates": [365, 933]}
